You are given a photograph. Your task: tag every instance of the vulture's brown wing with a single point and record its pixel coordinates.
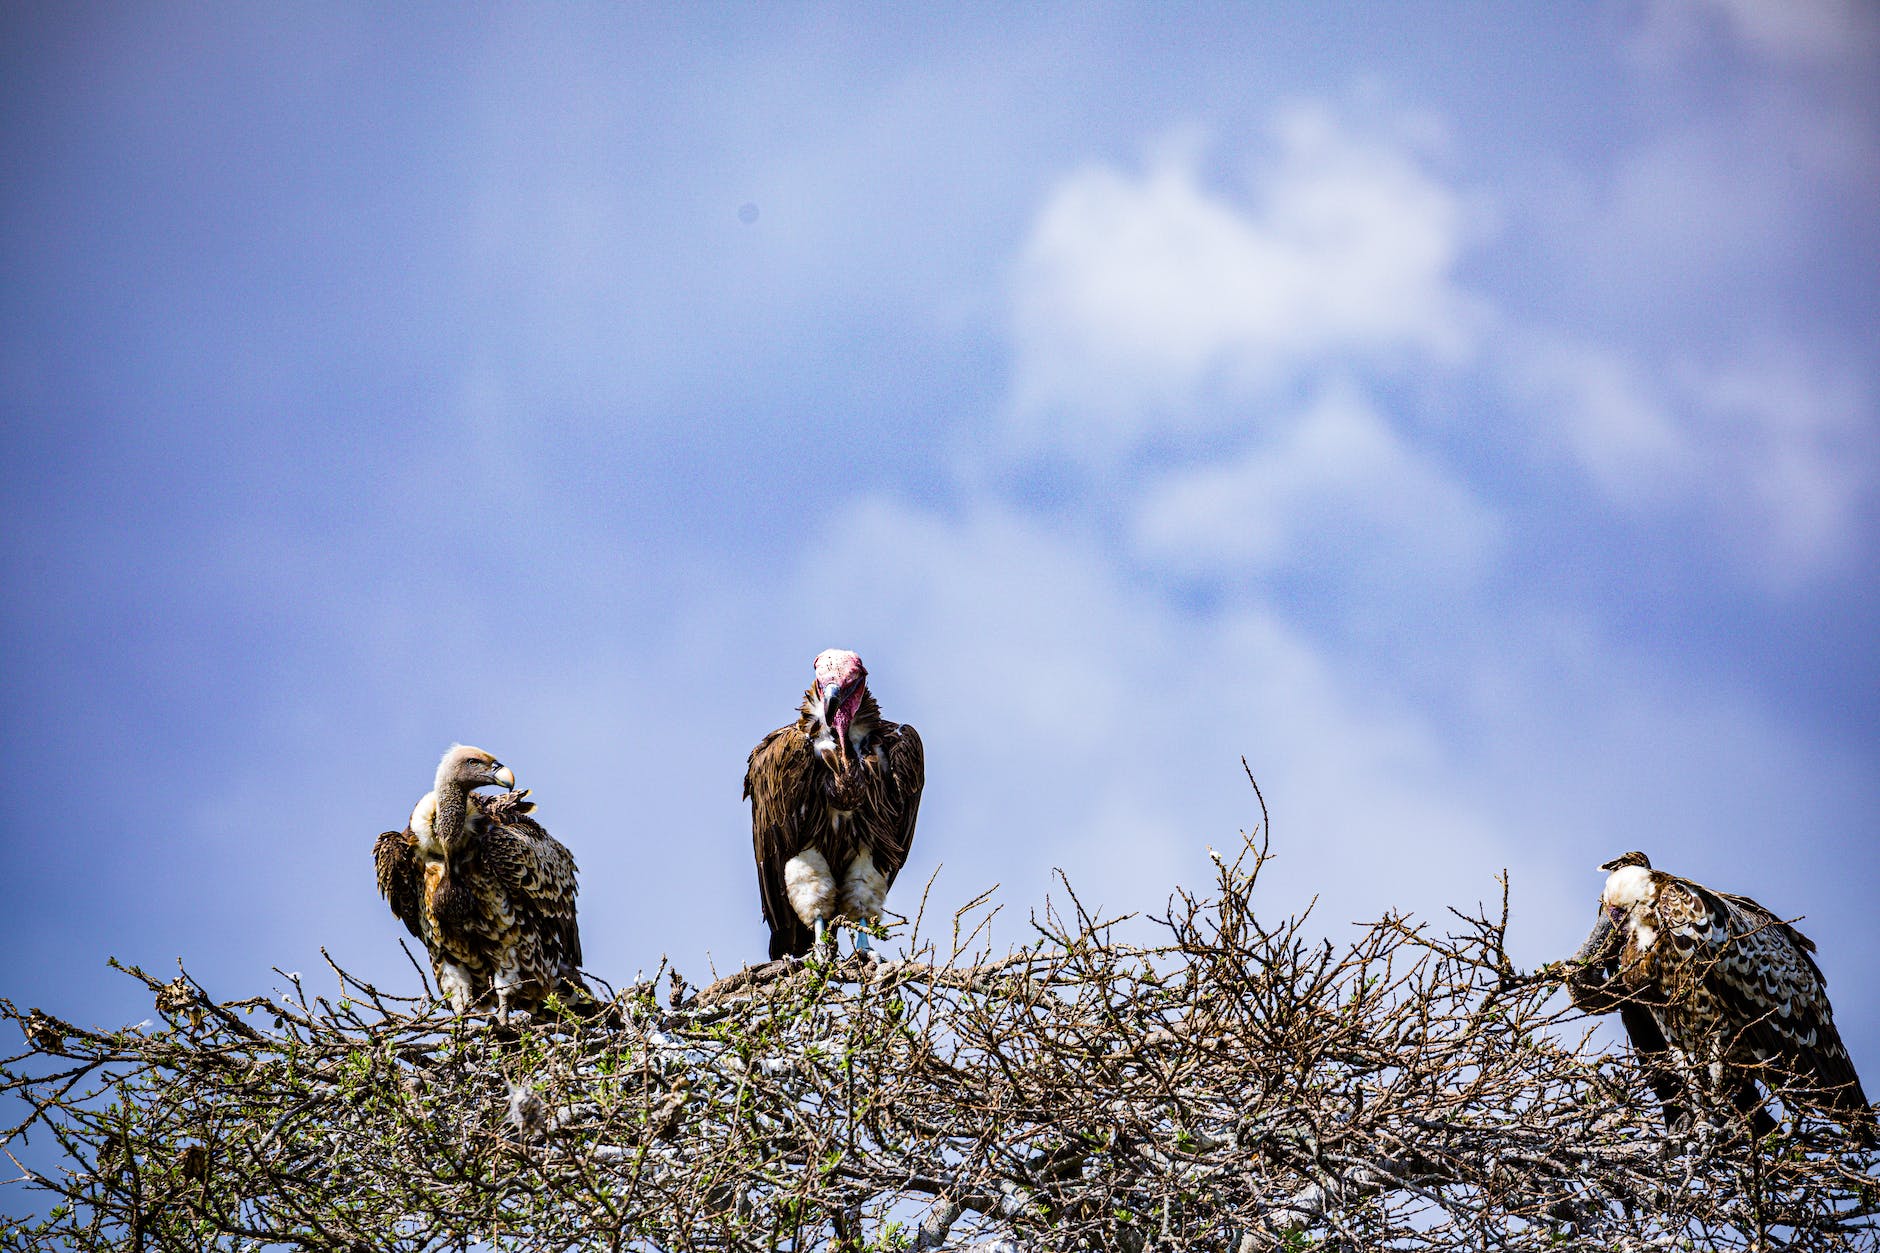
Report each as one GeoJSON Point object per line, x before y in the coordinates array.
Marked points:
{"type": "Point", "coordinates": [401, 877]}
{"type": "Point", "coordinates": [1767, 978]}
{"type": "Point", "coordinates": [907, 775]}
{"type": "Point", "coordinates": [538, 871]}
{"type": "Point", "coordinates": [779, 782]}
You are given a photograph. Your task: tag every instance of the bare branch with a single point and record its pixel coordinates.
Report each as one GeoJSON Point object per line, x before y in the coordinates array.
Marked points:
{"type": "Point", "coordinates": [1238, 1084]}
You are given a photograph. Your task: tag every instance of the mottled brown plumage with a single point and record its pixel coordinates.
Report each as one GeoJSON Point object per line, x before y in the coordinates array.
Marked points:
{"type": "Point", "coordinates": [1732, 990]}
{"type": "Point", "coordinates": [1594, 986]}
{"type": "Point", "coordinates": [841, 785]}
{"type": "Point", "coordinates": [487, 888]}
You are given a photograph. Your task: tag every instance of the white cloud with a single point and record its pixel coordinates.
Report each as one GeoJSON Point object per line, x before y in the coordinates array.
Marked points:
{"type": "Point", "coordinates": [1607, 415]}
{"type": "Point", "coordinates": [1337, 486]}
{"type": "Point", "coordinates": [1776, 449]}
{"type": "Point", "coordinates": [1723, 203]}
{"type": "Point", "coordinates": [1687, 348]}
{"type": "Point", "coordinates": [1791, 447]}
{"type": "Point", "coordinates": [1134, 292]}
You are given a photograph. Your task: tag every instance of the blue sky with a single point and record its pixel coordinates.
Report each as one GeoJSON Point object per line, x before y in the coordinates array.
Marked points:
{"type": "Point", "coordinates": [1465, 412]}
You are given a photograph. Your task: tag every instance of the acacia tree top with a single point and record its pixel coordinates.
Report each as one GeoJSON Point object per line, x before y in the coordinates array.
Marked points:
{"type": "Point", "coordinates": [1238, 1085]}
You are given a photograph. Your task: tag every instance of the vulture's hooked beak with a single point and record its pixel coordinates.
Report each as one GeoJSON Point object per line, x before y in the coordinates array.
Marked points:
{"type": "Point", "coordinates": [833, 700]}
{"type": "Point", "coordinates": [505, 778]}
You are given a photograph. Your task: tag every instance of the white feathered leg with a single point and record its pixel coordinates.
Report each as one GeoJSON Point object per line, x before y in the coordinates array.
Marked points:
{"type": "Point", "coordinates": [864, 892]}
{"type": "Point", "coordinates": [811, 887]}
{"type": "Point", "coordinates": [507, 982]}
{"type": "Point", "coordinates": [454, 982]}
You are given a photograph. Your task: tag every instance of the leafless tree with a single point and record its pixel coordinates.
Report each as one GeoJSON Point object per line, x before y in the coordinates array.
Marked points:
{"type": "Point", "coordinates": [1235, 1084]}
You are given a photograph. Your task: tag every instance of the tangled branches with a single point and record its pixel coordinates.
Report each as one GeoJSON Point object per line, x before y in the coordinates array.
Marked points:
{"type": "Point", "coordinates": [1235, 1086]}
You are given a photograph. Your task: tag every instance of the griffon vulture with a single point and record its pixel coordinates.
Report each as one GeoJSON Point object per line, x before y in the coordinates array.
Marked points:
{"type": "Point", "coordinates": [1728, 989]}
{"type": "Point", "coordinates": [486, 887]}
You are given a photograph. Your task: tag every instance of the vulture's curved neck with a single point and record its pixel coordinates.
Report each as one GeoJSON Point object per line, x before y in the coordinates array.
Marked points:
{"type": "Point", "coordinates": [452, 801]}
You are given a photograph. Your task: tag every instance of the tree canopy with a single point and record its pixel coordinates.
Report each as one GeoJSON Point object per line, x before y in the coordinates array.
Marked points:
{"type": "Point", "coordinates": [1229, 1083]}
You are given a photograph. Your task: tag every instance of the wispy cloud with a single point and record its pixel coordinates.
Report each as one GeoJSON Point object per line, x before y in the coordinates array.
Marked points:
{"type": "Point", "coordinates": [1335, 484]}
{"type": "Point", "coordinates": [1136, 291]}
{"type": "Point", "coordinates": [1790, 449]}
{"type": "Point", "coordinates": [1605, 414]}
{"type": "Point", "coordinates": [1158, 309]}
{"type": "Point", "coordinates": [1777, 450]}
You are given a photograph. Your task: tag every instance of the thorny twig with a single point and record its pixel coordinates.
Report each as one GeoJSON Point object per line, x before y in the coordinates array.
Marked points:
{"type": "Point", "coordinates": [1238, 1084]}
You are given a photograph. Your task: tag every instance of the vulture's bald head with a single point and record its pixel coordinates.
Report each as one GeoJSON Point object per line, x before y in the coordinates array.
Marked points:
{"type": "Point", "coordinates": [841, 679]}
{"type": "Point", "coordinates": [469, 768]}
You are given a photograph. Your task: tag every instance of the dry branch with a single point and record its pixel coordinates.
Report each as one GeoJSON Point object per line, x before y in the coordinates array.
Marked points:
{"type": "Point", "coordinates": [1237, 1085]}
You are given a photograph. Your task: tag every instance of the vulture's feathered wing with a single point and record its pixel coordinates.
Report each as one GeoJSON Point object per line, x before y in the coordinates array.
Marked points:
{"type": "Point", "coordinates": [1732, 990]}
{"type": "Point", "coordinates": [1595, 987]}
{"type": "Point", "coordinates": [487, 888]}
{"type": "Point", "coordinates": [834, 797]}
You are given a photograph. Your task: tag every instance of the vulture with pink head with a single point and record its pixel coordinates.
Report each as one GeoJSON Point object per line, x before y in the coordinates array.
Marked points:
{"type": "Point", "coordinates": [833, 800]}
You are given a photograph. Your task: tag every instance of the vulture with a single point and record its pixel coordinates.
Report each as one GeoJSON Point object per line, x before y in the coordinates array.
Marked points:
{"type": "Point", "coordinates": [833, 800]}
{"type": "Point", "coordinates": [486, 887]}
{"type": "Point", "coordinates": [1723, 990]}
